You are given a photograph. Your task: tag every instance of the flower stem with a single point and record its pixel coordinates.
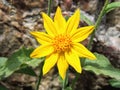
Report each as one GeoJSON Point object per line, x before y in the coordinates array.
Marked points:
{"type": "Point", "coordinates": [74, 81]}
{"type": "Point", "coordinates": [40, 76]}
{"type": "Point", "coordinates": [49, 7]}
{"type": "Point", "coordinates": [97, 24]}
{"type": "Point", "coordinates": [65, 81]}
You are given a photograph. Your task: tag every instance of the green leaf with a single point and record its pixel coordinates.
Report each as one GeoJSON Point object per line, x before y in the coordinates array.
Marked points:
{"type": "Point", "coordinates": [84, 18]}
{"type": "Point", "coordinates": [16, 60]}
{"type": "Point", "coordinates": [34, 62]}
{"type": "Point", "coordinates": [102, 66]}
{"type": "Point", "coordinates": [68, 88]}
{"type": "Point", "coordinates": [115, 83]}
{"type": "Point", "coordinates": [112, 6]}
{"type": "Point", "coordinates": [3, 88]}
{"type": "Point", "coordinates": [3, 61]}
{"type": "Point", "coordinates": [27, 70]}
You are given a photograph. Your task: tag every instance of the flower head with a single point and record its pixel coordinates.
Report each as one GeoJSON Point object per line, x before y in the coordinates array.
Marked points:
{"type": "Point", "coordinates": [61, 44]}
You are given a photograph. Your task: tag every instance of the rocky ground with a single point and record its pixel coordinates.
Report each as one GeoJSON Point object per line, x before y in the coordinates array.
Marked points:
{"type": "Point", "coordinates": [19, 17]}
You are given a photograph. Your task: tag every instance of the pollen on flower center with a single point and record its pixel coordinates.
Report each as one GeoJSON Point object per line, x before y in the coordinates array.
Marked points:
{"type": "Point", "coordinates": [62, 43]}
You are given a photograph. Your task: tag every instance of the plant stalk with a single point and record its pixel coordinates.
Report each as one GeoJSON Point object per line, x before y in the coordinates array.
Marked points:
{"type": "Point", "coordinates": [97, 24]}
{"type": "Point", "coordinates": [74, 81]}
{"type": "Point", "coordinates": [65, 81]}
{"type": "Point", "coordinates": [49, 7]}
{"type": "Point", "coordinates": [40, 76]}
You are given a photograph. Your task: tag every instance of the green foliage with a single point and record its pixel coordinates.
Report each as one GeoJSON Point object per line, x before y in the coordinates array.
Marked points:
{"type": "Point", "coordinates": [3, 88]}
{"type": "Point", "coordinates": [102, 66]}
{"type": "Point", "coordinates": [68, 88]}
{"type": "Point", "coordinates": [87, 20]}
{"type": "Point", "coordinates": [18, 60]}
{"type": "Point", "coordinates": [27, 70]}
{"type": "Point", "coordinates": [115, 83]}
{"type": "Point", "coordinates": [65, 82]}
{"type": "Point", "coordinates": [3, 61]}
{"type": "Point", "coordinates": [112, 6]}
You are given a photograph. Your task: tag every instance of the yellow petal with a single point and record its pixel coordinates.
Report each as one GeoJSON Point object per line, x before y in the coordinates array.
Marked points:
{"type": "Point", "coordinates": [73, 22]}
{"type": "Point", "coordinates": [82, 33]}
{"type": "Point", "coordinates": [49, 25]}
{"type": "Point", "coordinates": [41, 37]}
{"type": "Point", "coordinates": [50, 62]}
{"type": "Point", "coordinates": [73, 60]}
{"type": "Point", "coordinates": [62, 66]}
{"type": "Point", "coordinates": [59, 21]}
{"type": "Point", "coordinates": [42, 51]}
{"type": "Point", "coordinates": [82, 51]}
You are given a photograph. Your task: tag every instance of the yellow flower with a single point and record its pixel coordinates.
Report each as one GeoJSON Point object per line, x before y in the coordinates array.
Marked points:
{"type": "Point", "coordinates": [61, 44]}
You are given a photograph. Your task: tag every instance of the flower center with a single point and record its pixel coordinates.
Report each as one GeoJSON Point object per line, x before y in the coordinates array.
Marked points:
{"type": "Point", "coordinates": [62, 43]}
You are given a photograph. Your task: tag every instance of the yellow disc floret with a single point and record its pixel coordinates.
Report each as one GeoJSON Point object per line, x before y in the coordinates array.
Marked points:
{"type": "Point", "coordinates": [62, 43]}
